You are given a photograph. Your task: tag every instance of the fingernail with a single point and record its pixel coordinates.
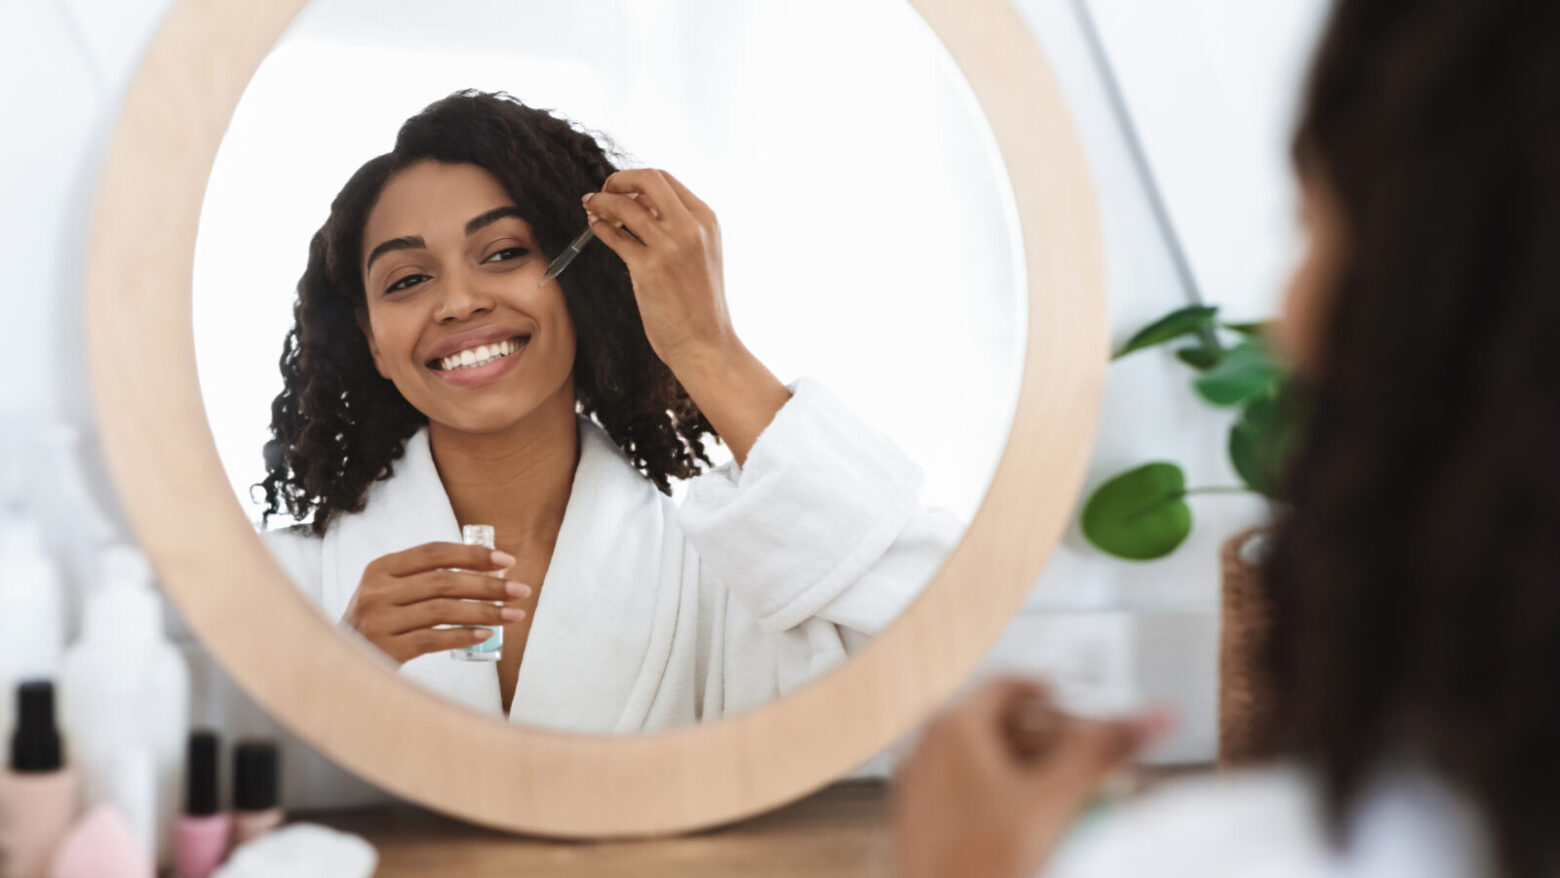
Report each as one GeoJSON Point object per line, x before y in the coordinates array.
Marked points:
{"type": "Point", "coordinates": [517, 589]}
{"type": "Point", "coordinates": [503, 559]}
{"type": "Point", "coordinates": [588, 197]}
{"type": "Point", "coordinates": [592, 219]}
{"type": "Point", "coordinates": [481, 633]}
{"type": "Point", "coordinates": [510, 614]}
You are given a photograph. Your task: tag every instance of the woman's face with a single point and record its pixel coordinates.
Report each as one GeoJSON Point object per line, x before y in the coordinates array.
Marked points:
{"type": "Point", "coordinates": [1299, 334]}
{"type": "Point", "coordinates": [456, 317]}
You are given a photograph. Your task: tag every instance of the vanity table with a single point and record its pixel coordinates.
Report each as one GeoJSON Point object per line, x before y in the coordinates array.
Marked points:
{"type": "Point", "coordinates": [842, 830]}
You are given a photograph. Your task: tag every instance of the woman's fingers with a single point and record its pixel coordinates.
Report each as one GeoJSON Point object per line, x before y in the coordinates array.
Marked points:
{"type": "Point", "coordinates": [620, 212]}
{"type": "Point", "coordinates": [435, 556]}
{"type": "Point", "coordinates": [448, 611]}
{"type": "Point", "coordinates": [698, 208]}
{"type": "Point", "coordinates": [653, 188]}
{"type": "Point", "coordinates": [998, 697]}
{"type": "Point", "coordinates": [454, 584]}
{"type": "Point", "coordinates": [406, 647]}
{"type": "Point", "coordinates": [1086, 752]}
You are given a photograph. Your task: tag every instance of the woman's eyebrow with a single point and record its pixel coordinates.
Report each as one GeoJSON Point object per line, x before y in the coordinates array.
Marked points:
{"type": "Point", "coordinates": [491, 217]}
{"type": "Point", "coordinates": [413, 242]}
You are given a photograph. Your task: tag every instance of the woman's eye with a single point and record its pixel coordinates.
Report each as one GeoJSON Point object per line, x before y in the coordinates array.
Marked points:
{"type": "Point", "coordinates": [403, 285]}
{"type": "Point", "coordinates": [514, 253]}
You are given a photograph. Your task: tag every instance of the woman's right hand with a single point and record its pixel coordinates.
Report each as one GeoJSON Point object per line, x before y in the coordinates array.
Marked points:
{"type": "Point", "coordinates": [984, 796]}
{"type": "Point", "coordinates": [403, 595]}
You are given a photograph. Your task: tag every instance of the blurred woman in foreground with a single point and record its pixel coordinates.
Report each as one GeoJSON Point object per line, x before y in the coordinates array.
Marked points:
{"type": "Point", "coordinates": [1415, 579]}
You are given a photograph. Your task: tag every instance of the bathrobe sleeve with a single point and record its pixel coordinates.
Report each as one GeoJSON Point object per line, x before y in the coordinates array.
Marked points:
{"type": "Point", "coordinates": [297, 551]}
{"type": "Point", "coordinates": [824, 522]}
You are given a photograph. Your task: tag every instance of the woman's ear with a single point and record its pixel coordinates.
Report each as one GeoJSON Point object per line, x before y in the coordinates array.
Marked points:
{"type": "Point", "coordinates": [368, 335]}
{"type": "Point", "coordinates": [1309, 299]}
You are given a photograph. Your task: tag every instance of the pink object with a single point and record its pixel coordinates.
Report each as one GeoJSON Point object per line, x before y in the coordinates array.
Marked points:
{"type": "Point", "coordinates": [35, 813]}
{"type": "Point", "coordinates": [101, 846]}
{"type": "Point", "coordinates": [202, 843]}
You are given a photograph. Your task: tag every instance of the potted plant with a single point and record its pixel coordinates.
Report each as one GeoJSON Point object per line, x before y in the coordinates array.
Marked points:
{"type": "Point", "coordinates": [1142, 513]}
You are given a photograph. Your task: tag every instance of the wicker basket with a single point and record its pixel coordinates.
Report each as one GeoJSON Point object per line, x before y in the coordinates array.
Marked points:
{"type": "Point", "coordinates": [1245, 694]}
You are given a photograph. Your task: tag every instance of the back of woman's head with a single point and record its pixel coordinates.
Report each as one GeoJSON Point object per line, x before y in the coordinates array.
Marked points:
{"type": "Point", "coordinates": [1416, 581]}
{"type": "Point", "coordinates": [338, 425]}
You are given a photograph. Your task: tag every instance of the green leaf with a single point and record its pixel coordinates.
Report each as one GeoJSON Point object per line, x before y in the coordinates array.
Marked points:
{"type": "Point", "coordinates": [1261, 441]}
{"type": "Point", "coordinates": [1139, 514]}
{"type": "Point", "coordinates": [1250, 330]}
{"type": "Point", "coordinates": [1185, 321]}
{"type": "Point", "coordinates": [1199, 357]}
{"type": "Point", "coordinates": [1246, 372]}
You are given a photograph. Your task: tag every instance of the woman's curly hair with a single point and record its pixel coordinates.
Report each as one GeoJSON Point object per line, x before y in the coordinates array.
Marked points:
{"type": "Point", "coordinates": [1415, 582]}
{"type": "Point", "coordinates": [337, 425]}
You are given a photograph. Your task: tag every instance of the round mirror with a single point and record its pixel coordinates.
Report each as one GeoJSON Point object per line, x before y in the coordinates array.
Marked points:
{"type": "Point", "coordinates": [773, 535]}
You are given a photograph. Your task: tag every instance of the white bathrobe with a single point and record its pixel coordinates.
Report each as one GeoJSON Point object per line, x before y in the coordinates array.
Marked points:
{"type": "Point", "coordinates": [654, 616]}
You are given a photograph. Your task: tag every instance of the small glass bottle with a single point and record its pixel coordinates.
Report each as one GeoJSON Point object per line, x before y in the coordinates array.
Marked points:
{"type": "Point", "coordinates": [487, 650]}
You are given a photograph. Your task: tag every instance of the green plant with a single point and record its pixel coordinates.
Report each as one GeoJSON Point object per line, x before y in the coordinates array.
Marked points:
{"type": "Point", "coordinates": [1142, 513]}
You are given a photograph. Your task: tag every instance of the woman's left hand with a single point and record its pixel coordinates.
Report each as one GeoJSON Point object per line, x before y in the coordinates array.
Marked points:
{"type": "Point", "coordinates": [673, 257]}
{"type": "Point", "coordinates": [671, 244]}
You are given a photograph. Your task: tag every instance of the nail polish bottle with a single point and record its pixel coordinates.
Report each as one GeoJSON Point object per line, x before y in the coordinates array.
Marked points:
{"type": "Point", "coordinates": [490, 649]}
{"type": "Point", "coordinates": [37, 791]}
{"type": "Point", "coordinates": [256, 805]}
{"type": "Point", "coordinates": [202, 833]}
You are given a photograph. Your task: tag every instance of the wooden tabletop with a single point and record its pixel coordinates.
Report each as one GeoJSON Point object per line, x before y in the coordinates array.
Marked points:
{"type": "Point", "coordinates": [839, 831]}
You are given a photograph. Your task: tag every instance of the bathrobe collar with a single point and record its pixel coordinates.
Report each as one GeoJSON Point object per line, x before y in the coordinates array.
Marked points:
{"type": "Point", "coordinates": [590, 645]}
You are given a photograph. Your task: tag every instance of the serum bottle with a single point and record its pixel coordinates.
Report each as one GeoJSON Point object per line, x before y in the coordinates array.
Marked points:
{"type": "Point", "coordinates": [487, 650]}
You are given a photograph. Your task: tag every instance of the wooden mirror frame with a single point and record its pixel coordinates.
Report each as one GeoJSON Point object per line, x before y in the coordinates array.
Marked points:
{"type": "Point", "coordinates": [164, 464]}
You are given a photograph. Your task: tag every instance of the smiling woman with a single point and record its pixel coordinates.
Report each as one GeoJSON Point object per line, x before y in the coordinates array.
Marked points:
{"type": "Point", "coordinates": [347, 407]}
{"type": "Point", "coordinates": [434, 381]}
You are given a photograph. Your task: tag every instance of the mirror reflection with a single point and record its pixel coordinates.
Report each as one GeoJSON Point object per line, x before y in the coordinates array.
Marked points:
{"type": "Point", "coordinates": [627, 380]}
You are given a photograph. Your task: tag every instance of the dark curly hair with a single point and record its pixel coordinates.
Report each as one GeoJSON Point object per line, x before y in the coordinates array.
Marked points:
{"type": "Point", "coordinates": [337, 425]}
{"type": "Point", "coordinates": [1415, 582]}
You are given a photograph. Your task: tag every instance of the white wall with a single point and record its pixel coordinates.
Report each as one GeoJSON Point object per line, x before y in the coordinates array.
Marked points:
{"type": "Point", "coordinates": [1215, 131]}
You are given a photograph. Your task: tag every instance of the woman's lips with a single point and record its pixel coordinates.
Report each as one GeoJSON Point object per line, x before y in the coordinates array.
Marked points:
{"type": "Point", "coordinates": [472, 376]}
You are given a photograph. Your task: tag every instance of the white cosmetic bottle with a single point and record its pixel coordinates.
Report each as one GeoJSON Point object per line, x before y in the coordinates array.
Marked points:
{"type": "Point", "coordinates": [125, 688]}
{"type": "Point", "coordinates": [31, 610]}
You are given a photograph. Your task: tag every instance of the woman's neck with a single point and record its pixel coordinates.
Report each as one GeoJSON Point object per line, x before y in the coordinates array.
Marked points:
{"type": "Point", "coordinates": [517, 480]}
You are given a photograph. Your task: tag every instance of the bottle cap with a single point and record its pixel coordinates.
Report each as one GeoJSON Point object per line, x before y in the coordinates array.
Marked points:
{"type": "Point", "coordinates": [254, 776]}
{"type": "Point", "coordinates": [35, 747]}
{"type": "Point", "coordinates": [32, 618]}
{"type": "Point", "coordinates": [477, 535]}
{"type": "Point", "coordinates": [200, 792]}
{"type": "Point", "coordinates": [124, 563]}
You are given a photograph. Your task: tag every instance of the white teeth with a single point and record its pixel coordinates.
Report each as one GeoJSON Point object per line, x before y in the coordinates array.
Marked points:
{"type": "Point", "coordinates": [480, 355]}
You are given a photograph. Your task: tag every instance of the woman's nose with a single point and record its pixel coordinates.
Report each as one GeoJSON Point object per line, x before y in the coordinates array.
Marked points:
{"type": "Point", "coordinates": [462, 299]}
